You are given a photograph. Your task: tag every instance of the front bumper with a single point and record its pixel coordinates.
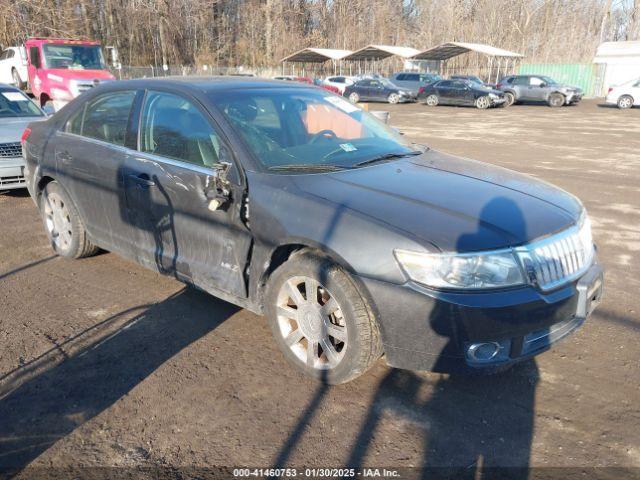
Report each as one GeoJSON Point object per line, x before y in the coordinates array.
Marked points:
{"type": "Point", "coordinates": [573, 98]}
{"type": "Point", "coordinates": [423, 329]}
{"type": "Point", "coordinates": [12, 173]}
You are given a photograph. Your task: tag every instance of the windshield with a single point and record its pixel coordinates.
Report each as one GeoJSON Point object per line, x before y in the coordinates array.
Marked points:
{"type": "Point", "coordinates": [307, 128]}
{"type": "Point", "coordinates": [17, 104]}
{"type": "Point", "coordinates": [73, 57]}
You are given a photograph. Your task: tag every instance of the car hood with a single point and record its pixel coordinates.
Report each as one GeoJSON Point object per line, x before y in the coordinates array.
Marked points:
{"type": "Point", "coordinates": [11, 128]}
{"type": "Point", "coordinates": [448, 202]}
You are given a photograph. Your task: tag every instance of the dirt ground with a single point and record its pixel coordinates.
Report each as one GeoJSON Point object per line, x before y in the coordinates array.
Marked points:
{"type": "Point", "coordinates": [103, 363]}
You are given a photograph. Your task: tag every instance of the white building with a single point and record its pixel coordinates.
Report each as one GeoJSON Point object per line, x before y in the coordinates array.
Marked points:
{"type": "Point", "coordinates": [620, 62]}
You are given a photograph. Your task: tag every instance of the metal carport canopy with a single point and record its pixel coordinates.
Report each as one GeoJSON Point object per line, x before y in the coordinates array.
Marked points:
{"type": "Point", "coordinates": [316, 55]}
{"type": "Point", "coordinates": [453, 49]}
{"type": "Point", "coordinates": [379, 52]}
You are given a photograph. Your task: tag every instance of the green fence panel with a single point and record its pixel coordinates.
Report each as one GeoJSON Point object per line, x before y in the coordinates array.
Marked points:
{"type": "Point", "coordinates": [583, 75]}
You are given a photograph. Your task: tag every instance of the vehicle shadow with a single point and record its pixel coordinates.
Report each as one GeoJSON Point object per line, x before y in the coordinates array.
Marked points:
{"type": "Point", "coordinates": [48, 406]}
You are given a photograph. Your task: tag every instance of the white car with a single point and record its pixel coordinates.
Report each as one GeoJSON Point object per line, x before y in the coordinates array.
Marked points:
{"type": "Point", "coordinates": [13, 66]}
{"type": "Point", "coordinates": [626, 95]}
{"type": "Point", "coordinates": [340, 82]}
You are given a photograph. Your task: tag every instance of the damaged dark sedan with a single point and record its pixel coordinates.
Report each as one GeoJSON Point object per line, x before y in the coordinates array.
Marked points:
{"type": "Point", "coordinates": [294, 203]}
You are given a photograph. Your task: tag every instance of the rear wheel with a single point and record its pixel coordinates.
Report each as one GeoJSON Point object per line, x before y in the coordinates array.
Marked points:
{"type": "Point", "coordinates": [625, 102]}
{"type": "Point", "coordinates": [432, 100]}
{"type": "Point", "coordinates": [63, 225]}
{"type": "Point", "coordinates": [354, 97]}
{"type": "Point", "coordinates": [393, 98]}
{"type": "Point", "coordinates": [510, 98]}
{"type": "Point", "coordinates": [556, 100]}
{"type": "Point", "coordinates": [483, 103]}
{"type": "Point", "coordinates": [320, 321]}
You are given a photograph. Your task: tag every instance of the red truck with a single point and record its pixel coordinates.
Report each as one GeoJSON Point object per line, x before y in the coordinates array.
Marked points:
{"type": "Point", "coordinates": [60, 69]}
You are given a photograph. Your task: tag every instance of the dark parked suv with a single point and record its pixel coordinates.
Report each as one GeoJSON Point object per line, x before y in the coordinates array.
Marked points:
{"type": "Point", "coordinates": [294, 203]}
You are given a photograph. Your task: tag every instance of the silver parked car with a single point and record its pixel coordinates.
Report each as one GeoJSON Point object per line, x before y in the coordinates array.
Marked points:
{"type": "Point", "coordinates": [412, 81]}
{"type": "Point", "coordinates": [16, 112]}
{"type": "Point", "coordinates": [538, 88]}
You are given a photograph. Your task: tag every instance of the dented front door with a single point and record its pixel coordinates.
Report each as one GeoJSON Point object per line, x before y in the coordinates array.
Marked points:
{"type": "Point", "coordinates": [179, 229]}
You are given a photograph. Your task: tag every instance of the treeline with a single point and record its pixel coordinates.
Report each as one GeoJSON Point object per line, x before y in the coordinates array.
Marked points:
{"type": "Point", "coordinates": [260, 32]}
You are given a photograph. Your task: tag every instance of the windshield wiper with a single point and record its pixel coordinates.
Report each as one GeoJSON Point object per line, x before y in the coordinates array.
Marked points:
{"type": "Point", "coordinates": [387, 156]}
{"type": "Point", "coordinates": [308, 167]}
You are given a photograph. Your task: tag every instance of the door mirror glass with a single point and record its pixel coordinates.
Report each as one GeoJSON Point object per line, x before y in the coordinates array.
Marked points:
{"type": "Point", "coordinates": [542, 85]}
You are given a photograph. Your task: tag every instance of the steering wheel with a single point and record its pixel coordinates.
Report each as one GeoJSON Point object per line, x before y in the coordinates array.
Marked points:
{"type": "Point", "coordinates": [323, 135]}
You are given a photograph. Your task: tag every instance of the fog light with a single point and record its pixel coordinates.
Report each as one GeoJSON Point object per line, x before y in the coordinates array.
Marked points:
{"type": "Point", "coordinates": [483, 352]}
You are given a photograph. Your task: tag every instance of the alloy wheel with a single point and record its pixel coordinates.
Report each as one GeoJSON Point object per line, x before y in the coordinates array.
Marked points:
{"type": "Point", "coordinates": [394, 98]}
{"type": "Point", "coordinates": [483, 102]}
{"type": "Point", "coordinates": [354, 97]}
{"type": "Point", "coordinates": [311, 323]}
{"type": "Point", "coordinates": [58, 221]}
{"type": "Point", "coordinates": [432, 100]}
{"type": "Point", "coordinates": [625, 102]}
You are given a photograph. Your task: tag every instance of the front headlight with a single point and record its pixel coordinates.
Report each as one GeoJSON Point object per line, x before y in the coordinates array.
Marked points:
{"type": "Point", "coordinates": [461, 271]}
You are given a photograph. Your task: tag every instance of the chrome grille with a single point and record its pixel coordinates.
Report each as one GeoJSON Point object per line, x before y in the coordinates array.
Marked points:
{"type": "Point", "coordinates": [10, 150]}
{"type": "Point", "coordinates": [558, 259]}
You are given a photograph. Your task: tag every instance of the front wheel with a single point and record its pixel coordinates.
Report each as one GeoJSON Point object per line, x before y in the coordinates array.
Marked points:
{"type": "Point", "coordinates": [354, 97]}
{"type": "Point", "coordinates": [625, 102]}
{"type": "Point", "coordinates": [320, 321]}
{"type": "Point", "coordinates": [483, 103]}
{"type": "Point", "coordinates": [393, 98]}
{"type": "Point", "coordinates": [556, 100]}
{"type": "Point", "coordinates": [63, 225]}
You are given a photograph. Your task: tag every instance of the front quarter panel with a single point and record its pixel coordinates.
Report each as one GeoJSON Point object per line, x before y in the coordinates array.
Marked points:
{"type": "Point", "coordinates": [283, 214]}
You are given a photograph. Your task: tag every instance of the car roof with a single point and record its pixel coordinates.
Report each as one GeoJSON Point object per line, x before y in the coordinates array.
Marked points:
{"type": "Point", "coordinates": [205, 84]}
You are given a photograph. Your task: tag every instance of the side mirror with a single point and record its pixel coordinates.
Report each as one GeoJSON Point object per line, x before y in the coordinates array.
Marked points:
{"type": "Point", "coordinates": [542, 85]}
{"type": "Point", "coordinates": [217, 189]}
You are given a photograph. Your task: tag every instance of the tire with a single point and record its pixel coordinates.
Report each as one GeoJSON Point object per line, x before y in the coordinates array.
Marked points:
{"type": "Point", "coordinates": [482, 103]}
{"type": "Point", "coordinates": [393, 98]}
{"type": "Point", "coordinates": [556, 100]}
{"type": "Point", "coordinates": [16, 79]}
{"type": "Point", "coordinates": [354, 97]}
{"type": "Point", "coordinates": [625, 102]}
{"type": "Point", "coordinates": [63, 225]}
{"type": "Point", "coordinates": [432, 100]}
{"type": "Point", "coordinates": [353, 337]}
{"type": "Point", "coordinates": [510, 97]}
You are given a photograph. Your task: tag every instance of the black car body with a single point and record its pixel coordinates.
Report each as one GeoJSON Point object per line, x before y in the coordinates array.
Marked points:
{"type": "Point", "coordinates": [450, 264]}
{"type": "Point", "coordinates": [461, 93]}
{"type": "Point", "coordinates": [472, 78]}
{"type": "Point", "coordinates": [377, 90]}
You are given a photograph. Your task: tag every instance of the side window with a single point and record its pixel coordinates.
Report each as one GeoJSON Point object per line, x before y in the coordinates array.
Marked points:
{"type": "Point", "coordinates": [445, 84]}
{"type": "Point", "coordinates": [364, 83]}
{"type": "Point", "coordinates": [10, 53]}
{"type": "Point", "coordinates": [413, 77]}
{"type": "Point", "coordinates": [106, 117]}
{"type": "Point", "coordinates": [339, 80]}
{"type": "Point", "coordinates": [535, 81]}
{"type": "Point", "coordinates": [3, 55]}
{"type": "Point", "coordinates": [173, 127]}
{"type": "Point", "coordinates": [74, 124]}
{"type": "Point", "coordinates": [521, 81]}
{"type": "Point", "coordinates": [637, 85]}
{"type": "Point", "coordinates": [401, 77]}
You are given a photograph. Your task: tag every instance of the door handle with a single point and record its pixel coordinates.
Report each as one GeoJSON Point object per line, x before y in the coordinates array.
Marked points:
{"type": "Point", "coordinates": [143, 180]}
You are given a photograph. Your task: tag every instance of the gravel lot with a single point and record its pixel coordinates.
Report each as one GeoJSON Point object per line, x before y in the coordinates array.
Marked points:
{"type": "Point", "coordinates": [103, 363]}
